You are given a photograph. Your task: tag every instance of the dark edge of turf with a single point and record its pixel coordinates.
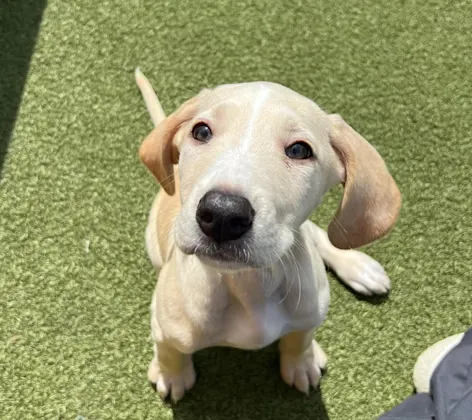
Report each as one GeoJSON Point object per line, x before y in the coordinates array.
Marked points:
{"type": "Point", "coordinates": [20, 21]}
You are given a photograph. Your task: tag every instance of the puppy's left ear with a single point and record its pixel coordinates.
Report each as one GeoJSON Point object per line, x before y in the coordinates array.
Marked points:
{"type": "Point", "coordinates": [160, 150]}
{"type": "Point", "coordinates": [371, 201]}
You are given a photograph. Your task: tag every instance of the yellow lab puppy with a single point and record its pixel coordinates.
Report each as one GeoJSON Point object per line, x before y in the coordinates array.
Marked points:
{"type": "Point", "coordinates": [241, 168]}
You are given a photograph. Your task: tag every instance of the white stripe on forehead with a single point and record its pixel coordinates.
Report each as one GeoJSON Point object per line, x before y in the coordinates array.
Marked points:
{"type": "Point", "coordinates": [262, 96]}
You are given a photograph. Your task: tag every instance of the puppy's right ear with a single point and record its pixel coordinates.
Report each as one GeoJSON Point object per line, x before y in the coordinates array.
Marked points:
{"type": "Point", "coordinates": [371, 201]}
{"type": "Point", "coordinates": [161, 148]}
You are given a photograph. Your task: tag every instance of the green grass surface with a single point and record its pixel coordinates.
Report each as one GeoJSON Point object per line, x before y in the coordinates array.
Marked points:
{"type": "Point", "coordinates": [74, 324]}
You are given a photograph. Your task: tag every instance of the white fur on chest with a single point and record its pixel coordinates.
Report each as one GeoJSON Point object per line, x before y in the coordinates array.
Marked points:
{"type": "Point", "coordinates": [248, 309]}
{"type": "Point", "coordinates": [256, 317]}
{"type": "Point", "coordinates": [260, 326]}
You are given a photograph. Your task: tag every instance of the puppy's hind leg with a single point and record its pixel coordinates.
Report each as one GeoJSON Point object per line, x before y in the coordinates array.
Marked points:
{"type": "Point", "coordinates": [354, 268]}
{"type": "Point", "coordinates": [151, 238]}
{"type": "Point", "coordinates": [152, 247]}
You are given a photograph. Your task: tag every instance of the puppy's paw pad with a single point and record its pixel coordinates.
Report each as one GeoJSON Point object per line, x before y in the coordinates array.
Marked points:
{"type": "Point", "coordinates": [172, 384]}
{"type": "Point", "coordinates": [304, 370]}
{"type": "Point", "coordinates": [362, 273]}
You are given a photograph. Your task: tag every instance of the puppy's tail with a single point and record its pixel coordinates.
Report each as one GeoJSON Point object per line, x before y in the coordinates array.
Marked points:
{"type": "Point", "coordinates": [151, 100]}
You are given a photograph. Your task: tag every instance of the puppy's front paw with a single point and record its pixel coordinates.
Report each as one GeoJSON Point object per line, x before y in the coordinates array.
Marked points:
{"type": "Point", "coordinates": [305, 369]}
{"type": "Point", "coordinates": [362, 273]}
{"type": "Point", "coordinates": [173, 384]}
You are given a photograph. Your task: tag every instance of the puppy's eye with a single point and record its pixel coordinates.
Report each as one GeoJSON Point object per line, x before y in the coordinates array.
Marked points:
{"type": "Point", "coordinates": [202, 132]}
{"type": "Point", "coordinates": [299, 150]}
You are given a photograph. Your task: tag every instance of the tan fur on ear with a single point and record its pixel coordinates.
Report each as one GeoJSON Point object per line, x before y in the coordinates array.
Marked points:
{"type": "Point", "coordinates": [372, 200]}
{"type": "Point", "coordinates": [160, 150]}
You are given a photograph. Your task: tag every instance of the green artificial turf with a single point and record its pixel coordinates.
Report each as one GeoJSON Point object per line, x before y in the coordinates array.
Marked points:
{"type": "Point", "coordinates": [75, 282]}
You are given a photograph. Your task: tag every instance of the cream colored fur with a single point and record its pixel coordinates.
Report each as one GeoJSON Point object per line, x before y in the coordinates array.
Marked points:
{"type": "Point", "coordinates": [275, 287]}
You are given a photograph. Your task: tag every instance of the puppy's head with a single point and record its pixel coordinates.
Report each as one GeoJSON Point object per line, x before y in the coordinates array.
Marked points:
{"type": "Point", "coordinates": [254, 160]}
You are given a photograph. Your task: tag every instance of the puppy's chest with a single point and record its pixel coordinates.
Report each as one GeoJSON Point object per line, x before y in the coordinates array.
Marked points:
{"type": "Point", "coordinates": [254, 326]}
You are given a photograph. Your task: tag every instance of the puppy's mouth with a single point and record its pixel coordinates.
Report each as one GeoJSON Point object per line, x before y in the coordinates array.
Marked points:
{"type": "Point", "coordinates": [224, 256]}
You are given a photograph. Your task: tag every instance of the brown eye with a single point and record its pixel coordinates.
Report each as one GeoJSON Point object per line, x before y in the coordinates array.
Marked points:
{"type": "Point", "coordinates": [299, 151]}
{"type": "Point", "coordinates": [202, 132]}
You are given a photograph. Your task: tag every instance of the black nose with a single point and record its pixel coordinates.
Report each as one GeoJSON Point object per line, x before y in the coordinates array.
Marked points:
{"type": "Point", "coordinates": [224, 217]}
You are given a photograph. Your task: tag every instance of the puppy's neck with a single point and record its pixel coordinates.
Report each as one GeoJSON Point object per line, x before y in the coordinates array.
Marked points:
{"type": "Point", "coordinates": [261, 282]}
{"type": "Point", "coordinates": [267, 279]}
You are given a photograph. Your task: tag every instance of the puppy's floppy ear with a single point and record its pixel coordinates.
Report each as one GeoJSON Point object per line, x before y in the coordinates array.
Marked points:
{"type": "Point", "coordinates": [160, 150]}
{"type": "Point", "coordinates": [371, 201]}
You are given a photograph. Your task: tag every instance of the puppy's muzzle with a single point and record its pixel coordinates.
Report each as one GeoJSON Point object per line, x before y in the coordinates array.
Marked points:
{"type": "Point", "coordinates": [224, 217]}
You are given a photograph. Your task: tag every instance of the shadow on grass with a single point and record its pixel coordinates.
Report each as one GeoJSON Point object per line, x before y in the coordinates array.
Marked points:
{"type": "Point", "coordinates": [19, 26]}
{"type": "Point", "coordinates": [234, 384]}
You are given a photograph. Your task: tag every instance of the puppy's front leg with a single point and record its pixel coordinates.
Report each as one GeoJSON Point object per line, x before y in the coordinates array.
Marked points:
{"type": "Point", "coordinates": [301, 360]}
{"type": "Point", "coordinates": [171, 371]}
